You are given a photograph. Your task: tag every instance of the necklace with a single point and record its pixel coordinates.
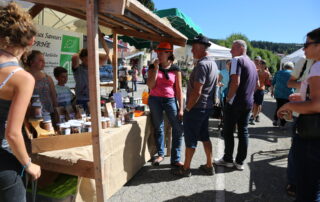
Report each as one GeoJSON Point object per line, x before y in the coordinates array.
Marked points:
{"type": "Point", "coordinates": [9, 53]}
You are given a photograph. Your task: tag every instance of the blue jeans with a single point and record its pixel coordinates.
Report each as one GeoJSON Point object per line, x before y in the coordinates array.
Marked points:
{"type": "Point", "coordinates": [11, 187]}
{"type": "Point", "coordinates": [307, 163]}
{"type": "Point", "coordinates": [169, 105]}
{"type": "Point", "coordinates": [195, 124]}
{"type": "Point", "coordinates": [235, 116]}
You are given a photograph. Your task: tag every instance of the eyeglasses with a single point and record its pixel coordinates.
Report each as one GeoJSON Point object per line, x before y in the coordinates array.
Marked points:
{"type": "Point", "coordinates": [307, 44]}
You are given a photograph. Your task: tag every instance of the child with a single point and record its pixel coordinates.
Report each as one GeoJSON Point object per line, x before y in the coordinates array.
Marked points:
{"type": "Point", "coordinates": [64, 94]}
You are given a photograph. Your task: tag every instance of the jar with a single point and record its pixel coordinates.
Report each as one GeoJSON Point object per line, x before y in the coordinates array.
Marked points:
{"type": "Point", "coordinates": [75, 128]}
{"type": "Point", "coordinates": [103, 122]}
{"type": "Point", "coordinates": [118, 122]}
{"type": "Point", "coordinates": [36, 109]}
{"type": "Point", "coordinates": [64, 129]}
{"type": "Point", "coordinates": [108, 120]}
{"type": "Point", "coordinates": [47, 125]}
{"type": "Point", "coordinates": [87, 127]}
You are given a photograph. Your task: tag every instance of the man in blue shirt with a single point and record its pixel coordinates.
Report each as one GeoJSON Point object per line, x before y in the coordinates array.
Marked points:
{"type": "Point", "coordinates": [280, 89]}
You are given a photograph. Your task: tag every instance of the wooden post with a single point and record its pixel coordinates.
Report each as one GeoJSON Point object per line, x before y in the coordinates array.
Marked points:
{"type": "Point", "coordinates": [94, 92]}
{"type": "Point", "coordinates": [115, 62]}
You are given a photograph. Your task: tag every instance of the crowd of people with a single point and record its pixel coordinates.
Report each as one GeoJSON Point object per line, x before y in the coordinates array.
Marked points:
{"type": "Point", "coordinates": [242, 87]}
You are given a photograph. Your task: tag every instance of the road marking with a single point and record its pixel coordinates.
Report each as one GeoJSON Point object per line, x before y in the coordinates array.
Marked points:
{"type": "Point", "coordinates": [220, 177]}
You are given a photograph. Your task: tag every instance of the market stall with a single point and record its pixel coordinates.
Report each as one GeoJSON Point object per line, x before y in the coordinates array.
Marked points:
{"type": "Point", "coordinates": [116, 154]}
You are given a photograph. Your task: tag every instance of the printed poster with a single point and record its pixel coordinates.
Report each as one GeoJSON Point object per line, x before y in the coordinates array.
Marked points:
{"type": "Point", "coordinates": [58, 46]}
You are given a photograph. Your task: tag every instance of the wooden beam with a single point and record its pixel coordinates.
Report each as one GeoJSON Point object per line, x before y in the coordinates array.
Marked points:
{"type": "Point", "coordinates": [81, 168]}
{"type": "Point", "coordinates": [151, 37]}
{"type": "Point", "coordinates": [60, 142]}
{"type": "Point", "coordinates": [136, 7]}
{"type": "Point", "coordinates": [115, 61]}
{"type": "Point", "coordinates": [78, 4]}
{"type": "Point", "coordinates": [94, 92]}
{"type": "Point", "coordinates": [141, 27]}
{"type": "Point", "coordinates": [113, 7]}
{"type": "Point", "coordinates": [36, 9]}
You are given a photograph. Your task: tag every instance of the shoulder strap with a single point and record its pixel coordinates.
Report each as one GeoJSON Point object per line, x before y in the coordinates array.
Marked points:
{"type": "Point", "coordinates": [303, 69]}
{"type": "Point", "coordinates": [9, 76]}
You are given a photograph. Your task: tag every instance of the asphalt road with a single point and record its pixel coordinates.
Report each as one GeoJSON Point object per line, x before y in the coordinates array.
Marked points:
{"type": "Point", "coordinates": [263, 179]}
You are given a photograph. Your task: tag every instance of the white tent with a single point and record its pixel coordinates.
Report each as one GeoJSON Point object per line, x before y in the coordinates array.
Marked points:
{"type": "Point", "coordinates": [219, 52]}
{"type": "Point", "coordinates": [293, 57]}
{"type": "Point", "coordinates": [215, 51]}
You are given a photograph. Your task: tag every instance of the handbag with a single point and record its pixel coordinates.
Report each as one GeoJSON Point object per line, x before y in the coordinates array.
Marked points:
{"type": "Point", "coordinates": [308, 125]}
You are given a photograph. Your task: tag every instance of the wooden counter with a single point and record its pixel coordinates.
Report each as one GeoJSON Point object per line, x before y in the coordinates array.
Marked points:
{"type": "Point", "coordinates": [127, 149]}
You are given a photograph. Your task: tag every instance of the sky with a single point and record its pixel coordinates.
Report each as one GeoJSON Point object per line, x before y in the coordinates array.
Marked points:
{"type": "Point", "coordinates": [285, 21]}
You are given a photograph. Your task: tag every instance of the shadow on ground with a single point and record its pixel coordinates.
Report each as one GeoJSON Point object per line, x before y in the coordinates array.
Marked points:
{"type": "Point", "coordinates": [261, 188]}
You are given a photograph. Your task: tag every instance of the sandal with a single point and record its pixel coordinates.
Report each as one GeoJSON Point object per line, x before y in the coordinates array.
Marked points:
{"type": "Point", "coordinates": [207, 170]}
{"type": "Point", "coordinates": [177, 164]}
{"type": "Point", "coordinates": [291, 190]}
{"type": "Point", "coordinates": [156, 161]}
{"type": "Point", "coordinates": [181, 172]}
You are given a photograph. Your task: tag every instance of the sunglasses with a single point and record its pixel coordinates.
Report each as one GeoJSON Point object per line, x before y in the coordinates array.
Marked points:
{"type": "Point", "coordinates": [307, 44]}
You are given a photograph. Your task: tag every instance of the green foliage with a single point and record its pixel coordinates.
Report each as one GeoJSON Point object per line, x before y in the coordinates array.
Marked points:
{"type": "Point", "coordinates": [148, 3]}
{"type": "Point", "coordinates": [282, 48]}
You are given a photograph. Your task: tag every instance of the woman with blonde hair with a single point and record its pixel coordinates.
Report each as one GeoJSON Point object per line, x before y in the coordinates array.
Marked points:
{"type": "Point", "coordinates": [16, 86]}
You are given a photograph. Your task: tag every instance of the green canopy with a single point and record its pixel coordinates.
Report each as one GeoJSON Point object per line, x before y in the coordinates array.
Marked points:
{"type": "Point", "coordinates": [178, 20]}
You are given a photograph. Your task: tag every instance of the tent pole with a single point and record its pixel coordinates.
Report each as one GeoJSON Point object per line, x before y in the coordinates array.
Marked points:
{"type": "Point", "coordinates": [94, 92]}
{"type": "Point", "coordinates": [115, 61]}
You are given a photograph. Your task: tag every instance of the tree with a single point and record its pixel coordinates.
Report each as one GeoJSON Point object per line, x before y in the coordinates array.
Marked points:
{"type": "Point", "coordinates": [148, 3]}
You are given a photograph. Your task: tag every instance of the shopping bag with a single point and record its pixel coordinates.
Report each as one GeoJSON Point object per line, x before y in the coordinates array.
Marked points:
{"type": "Point", "coordinates": [145, 97]}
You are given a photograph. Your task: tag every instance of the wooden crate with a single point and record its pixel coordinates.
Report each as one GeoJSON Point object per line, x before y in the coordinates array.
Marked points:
{"type": "Point", "coordinates": [58, 142]}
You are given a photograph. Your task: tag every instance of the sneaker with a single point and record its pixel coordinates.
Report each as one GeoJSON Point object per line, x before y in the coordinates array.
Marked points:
{"type": "Point", "coordinates": [181, 172]}
{"type": "Point", "coordinates": [251, 122]}
{"type": "Point", "coordinates": [239, 166]}
{"type": "Point", "coordinates": [251, 118]}
{"type": "Point", "coordinates": [257, 119]}
{"type": "Point", "coordinates": [221, 162]}
{"type": "Point", "coordinates": [291, 189]}
{"type": "Point", "coordinates": [207, 170]}
{"type": "Point", "coordinates": [275, 123]}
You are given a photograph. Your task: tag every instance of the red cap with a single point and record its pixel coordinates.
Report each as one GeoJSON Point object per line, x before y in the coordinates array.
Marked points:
{"type": "Point", "coordinates": [164, 46]}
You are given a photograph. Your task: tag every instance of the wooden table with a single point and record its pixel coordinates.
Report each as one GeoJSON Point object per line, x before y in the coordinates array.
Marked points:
{"type": "Point", "coordinates": [127, 149]}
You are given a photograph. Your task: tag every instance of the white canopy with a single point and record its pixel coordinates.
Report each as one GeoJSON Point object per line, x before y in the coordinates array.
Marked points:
{"type": "Point", "coordinates": [219, 52]}
{"type": "Point", "coordinates": [215, 51]}
{"type": "Point", "coordinates": [293, 57]}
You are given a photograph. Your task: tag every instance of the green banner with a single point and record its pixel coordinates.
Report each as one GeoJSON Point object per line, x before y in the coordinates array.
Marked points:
{"type": "Point", "coordinates": [65, 61]}
{"type": "Point", "coordinates": [70, 44]}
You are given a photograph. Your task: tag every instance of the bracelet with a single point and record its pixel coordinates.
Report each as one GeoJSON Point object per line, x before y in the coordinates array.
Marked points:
{"type": "Point", "coordinates": [24, 167]}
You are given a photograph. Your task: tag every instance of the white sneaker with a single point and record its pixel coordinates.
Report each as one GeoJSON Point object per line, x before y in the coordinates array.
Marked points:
{"type": "Point", "coordinates": [221, 162]}
{"type": "Point", "coordinates": [239, 166]}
